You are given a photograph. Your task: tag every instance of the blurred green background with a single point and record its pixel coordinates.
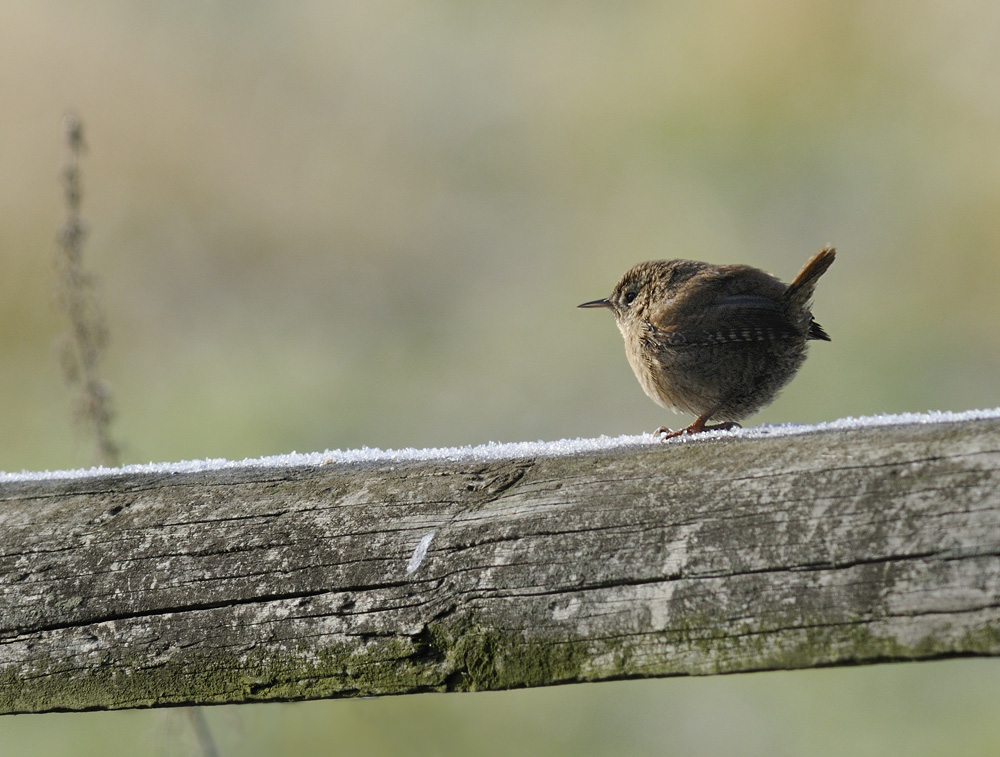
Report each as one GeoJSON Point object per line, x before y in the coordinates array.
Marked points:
{"type": "Point", "coordinates": [328, 225]}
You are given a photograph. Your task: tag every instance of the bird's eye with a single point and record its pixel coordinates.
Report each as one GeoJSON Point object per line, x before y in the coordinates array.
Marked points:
{"type": "Point", "coordinates": [629, 296]}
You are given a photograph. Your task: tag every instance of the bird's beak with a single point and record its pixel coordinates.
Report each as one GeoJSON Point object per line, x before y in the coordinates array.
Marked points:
{"type": "Point", "coordinates": [605, 303]}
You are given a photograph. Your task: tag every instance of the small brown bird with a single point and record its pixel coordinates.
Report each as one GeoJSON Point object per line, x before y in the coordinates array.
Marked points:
{"type": "Point", "coordinates": [716, 341]}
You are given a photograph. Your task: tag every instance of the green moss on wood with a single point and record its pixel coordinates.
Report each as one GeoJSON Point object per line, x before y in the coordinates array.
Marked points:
{"type": "Point", "coordinates": [460, 655]}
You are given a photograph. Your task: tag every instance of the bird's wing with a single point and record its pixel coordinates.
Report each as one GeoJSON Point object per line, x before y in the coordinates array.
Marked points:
{"type": "Point", "coordinates": [733, 318]}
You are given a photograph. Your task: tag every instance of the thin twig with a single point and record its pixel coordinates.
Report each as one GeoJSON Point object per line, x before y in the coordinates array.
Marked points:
{"type": "Point", "coordinates": [202, 732]}
{"type": "Point", "coordinates": [83, 345]}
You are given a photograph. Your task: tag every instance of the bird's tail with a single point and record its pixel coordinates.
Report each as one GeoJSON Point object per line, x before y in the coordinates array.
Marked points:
{"type": "Point", "coordinates": [800, 291]}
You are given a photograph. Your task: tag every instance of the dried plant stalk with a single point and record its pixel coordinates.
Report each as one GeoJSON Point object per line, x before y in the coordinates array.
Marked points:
{"type": "Point", "coordinates": [83, 345]}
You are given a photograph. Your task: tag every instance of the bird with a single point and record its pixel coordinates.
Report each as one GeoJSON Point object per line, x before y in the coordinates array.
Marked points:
{"type": "Point", "coordinates": [715, 341]}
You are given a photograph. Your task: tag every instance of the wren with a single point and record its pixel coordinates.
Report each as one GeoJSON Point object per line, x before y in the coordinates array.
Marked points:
{"type": "Point", "coordinates": [715, 341]}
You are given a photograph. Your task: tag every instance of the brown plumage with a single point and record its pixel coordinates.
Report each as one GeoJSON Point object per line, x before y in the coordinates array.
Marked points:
{"type": "Point", "coordinates": [716, 341]}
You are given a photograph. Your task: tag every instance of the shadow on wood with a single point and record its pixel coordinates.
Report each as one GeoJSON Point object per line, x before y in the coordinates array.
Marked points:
{"type": "Point", "coordinates": [693, 558]}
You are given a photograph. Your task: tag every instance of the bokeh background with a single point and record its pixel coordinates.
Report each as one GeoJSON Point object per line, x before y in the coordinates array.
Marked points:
{"type": "Point", "coordinates": [332, 224]}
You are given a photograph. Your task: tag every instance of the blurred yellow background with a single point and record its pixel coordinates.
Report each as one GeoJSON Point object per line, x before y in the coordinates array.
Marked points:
{"type": "Point", "coordinates": [328, 225]}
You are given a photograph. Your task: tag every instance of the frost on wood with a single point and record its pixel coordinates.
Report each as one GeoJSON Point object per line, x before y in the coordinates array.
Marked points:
{"type": "Point", "coordinates": [501, 451]}
{"type": "Point", "coordinates": [858, 544]}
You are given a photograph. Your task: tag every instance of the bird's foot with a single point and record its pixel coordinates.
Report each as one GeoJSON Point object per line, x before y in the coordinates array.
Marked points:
{"type": "Point", "coordinates": [695, 428]}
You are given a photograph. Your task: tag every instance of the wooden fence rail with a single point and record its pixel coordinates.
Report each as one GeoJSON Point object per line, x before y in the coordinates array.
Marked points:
{"type": "Point", "coordinates": [706, 556]}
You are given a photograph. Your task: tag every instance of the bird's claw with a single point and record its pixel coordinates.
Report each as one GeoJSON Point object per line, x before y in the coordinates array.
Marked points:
{"type": "Point", "coordinates": [695, 428]}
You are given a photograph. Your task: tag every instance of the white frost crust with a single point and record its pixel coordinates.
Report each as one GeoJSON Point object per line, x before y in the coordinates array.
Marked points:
{"type": "Point", "coordinates": [492, 451]}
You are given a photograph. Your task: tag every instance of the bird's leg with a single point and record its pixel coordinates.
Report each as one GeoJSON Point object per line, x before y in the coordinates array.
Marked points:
{"type": "Point", "coordinates": [699, 425]}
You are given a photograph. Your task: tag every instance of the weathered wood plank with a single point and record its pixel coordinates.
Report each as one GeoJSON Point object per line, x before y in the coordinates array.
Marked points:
{"type": "Point", "coordinates": [701, 557]}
